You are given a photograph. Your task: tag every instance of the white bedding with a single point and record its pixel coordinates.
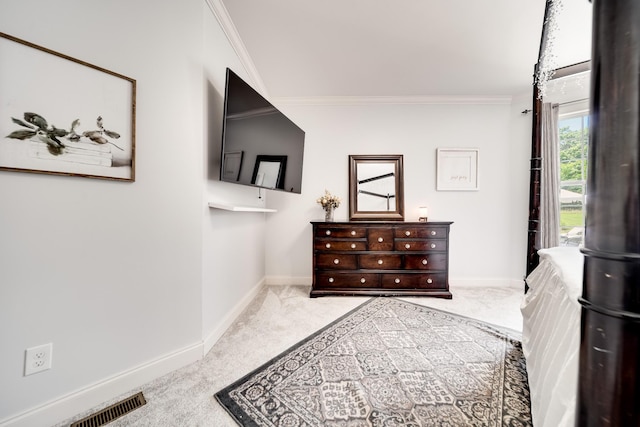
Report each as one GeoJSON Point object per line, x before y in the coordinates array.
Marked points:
{"type": "Point", "coordinates": [551, 335]}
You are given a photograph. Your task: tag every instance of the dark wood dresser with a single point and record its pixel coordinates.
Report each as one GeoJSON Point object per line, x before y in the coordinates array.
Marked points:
{"type": "Point", "coordinates": [381, 258]}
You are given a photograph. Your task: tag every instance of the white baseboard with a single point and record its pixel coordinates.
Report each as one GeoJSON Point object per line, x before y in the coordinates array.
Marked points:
{"type": "Point", "coordinates": [94, 394]}
{"type": "Point", "coordinates": [105, 390]}
{"type": "Point", "coordinates": [485, 283]}
{"type": "Point", "coordinates": [455, 282]}
{"type": "Point", "coordinates": [288, 280]}
{"type": "Point", "coordinates": [231, 316]}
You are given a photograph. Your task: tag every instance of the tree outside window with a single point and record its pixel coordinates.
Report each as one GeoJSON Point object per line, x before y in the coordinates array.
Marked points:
{"type": "Point", "coordinates": [574, 141]}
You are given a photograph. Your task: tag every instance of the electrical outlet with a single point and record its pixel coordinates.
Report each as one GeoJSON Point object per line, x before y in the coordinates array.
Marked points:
{"type": "Point", "coordinates": [37, 359]}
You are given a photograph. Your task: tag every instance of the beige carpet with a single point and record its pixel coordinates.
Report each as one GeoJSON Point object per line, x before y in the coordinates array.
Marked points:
{"type": "Point", "coordinates": [279, 317]}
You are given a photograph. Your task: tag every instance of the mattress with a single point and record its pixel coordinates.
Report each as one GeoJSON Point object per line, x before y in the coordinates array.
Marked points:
{"type": "Point", "coordinates": [551, 335]}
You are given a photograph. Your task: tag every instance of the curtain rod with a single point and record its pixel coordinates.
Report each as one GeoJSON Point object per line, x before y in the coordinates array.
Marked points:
{"type": "Point", "coordinates": [527, 111]}
{"type": "Point", "coordinates": [571, 102]}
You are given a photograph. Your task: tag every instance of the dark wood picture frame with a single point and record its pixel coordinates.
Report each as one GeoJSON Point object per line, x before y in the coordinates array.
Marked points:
{"type": "Point", "coordinates": [391, 167]}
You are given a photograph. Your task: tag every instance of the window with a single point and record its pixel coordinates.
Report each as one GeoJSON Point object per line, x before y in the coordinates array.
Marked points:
{"type": "Point", "coordinates": [573, 127]}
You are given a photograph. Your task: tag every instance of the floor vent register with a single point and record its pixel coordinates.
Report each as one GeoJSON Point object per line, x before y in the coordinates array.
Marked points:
{"type": "Point", "coordinates": [112, 412]}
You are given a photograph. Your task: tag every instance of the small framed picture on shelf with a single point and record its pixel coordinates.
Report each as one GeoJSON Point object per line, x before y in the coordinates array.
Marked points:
{"type": "Point", "coordinates": [269, 171]}
{"type": "Point", "coordinates": [232, 164]}
{"type": "Point", "coordinates": [457, 169]}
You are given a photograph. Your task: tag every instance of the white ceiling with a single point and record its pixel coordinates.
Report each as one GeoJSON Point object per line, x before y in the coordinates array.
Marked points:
{"type": "Point", "coordinates": [399, 48]}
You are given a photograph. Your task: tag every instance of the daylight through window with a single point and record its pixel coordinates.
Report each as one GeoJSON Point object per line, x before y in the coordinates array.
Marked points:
{"type": "Point", "coordinates": [573, 127]}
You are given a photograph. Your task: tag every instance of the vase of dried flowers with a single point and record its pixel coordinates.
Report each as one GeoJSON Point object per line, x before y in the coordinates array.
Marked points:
{"type": "Point", "coordinates": [329, 203]}
{"type": "Point", "coordinates": [328, 214]}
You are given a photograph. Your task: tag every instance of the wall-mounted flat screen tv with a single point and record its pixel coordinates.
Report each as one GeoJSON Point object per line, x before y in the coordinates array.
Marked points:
{"type": "Point", "coordinates": [261, 147]}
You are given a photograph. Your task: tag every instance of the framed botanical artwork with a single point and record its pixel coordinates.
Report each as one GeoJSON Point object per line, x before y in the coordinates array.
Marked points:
{"type": "Point", "coordinates": [63, 116]}
{"type": "Point", "coordinates": [457, 169]}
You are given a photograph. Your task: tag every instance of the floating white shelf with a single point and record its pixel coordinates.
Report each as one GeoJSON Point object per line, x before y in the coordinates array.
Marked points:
{"type": "Point", "coordinates": [239, 208]}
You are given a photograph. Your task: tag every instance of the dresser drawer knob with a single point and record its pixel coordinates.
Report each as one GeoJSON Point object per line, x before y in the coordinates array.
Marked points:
{"type": "Point", "coordinates": [353, 232]}
{"type": "Point", "coordinates": [433, 246]}
{"type": "Point", "coordinates": [429, 281]}
{"type": "Point", "coordinates": [336, 261]}
{"type": "Point", "coordinates": [433, 232]}
{"type": "Point", "coordinates": [362, 280]}
{"type": "Point", "coordinates": [425, 262]}
{"type": "Point", "coordinates": [380, 239]}
{"type": "Point", "coordinates": [353, 246]}
{"type": "Point", "coordinates": [328, 245]}
{"type": "Point", "coordinates": [397, 281]}
{"type": "Point", "coordinates": [407, 233]}
{"type": "Point", "coordinates": [328, 233]}
{"type": "Point", "coordinates": [330, 279]}
{"type": "Point", "coordinates": [407, 246]}
{"type": "Point", "coordinates": [380, 262]}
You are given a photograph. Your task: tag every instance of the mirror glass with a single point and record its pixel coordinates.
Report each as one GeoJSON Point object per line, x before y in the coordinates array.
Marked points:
{"type": "Point", "coordinates": [376, 187]}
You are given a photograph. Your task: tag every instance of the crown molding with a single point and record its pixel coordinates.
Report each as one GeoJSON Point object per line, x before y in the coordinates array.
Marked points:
{"type": "Point", "coordinates": [222, 15]}
{"type": "Point", "coordinates": [393, 100]}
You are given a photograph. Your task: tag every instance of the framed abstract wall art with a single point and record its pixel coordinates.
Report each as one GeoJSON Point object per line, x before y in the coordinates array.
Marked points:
{"type": "Point", "coordinates": [457, 169]}
{"type": "Point", "coordinates": [60, 115]}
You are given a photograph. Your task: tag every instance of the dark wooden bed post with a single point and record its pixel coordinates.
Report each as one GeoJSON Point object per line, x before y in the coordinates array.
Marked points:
{"type": "Point", "coordinates": [534, 183]}
{"type": "Point", "coordinates": [609, 380]}
{"type": "Point", "coordinates": [536, 157]}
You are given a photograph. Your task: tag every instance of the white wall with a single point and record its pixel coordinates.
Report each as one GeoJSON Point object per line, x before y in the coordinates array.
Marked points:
{"type": "Point", "coordinates": [131, 280]}
{"type": "Point", "coordinates": [112, 273]}
{"type": "Point", "coordinates": [488, 236]}
{"type": "Point", "coordinates": [233, 242]}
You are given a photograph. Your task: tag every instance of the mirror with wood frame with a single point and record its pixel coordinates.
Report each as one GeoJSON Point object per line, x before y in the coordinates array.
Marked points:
{"type": "Point", "coordinates": [376, 187]}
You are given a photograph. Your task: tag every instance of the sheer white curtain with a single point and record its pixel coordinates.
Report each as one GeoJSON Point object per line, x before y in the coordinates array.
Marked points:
{"type": "Point", "coordinates": [550, 178]}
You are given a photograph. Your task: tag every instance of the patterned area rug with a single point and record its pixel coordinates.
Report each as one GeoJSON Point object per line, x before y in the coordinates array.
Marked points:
{"type": "Point", "coordinates": [389, 363]}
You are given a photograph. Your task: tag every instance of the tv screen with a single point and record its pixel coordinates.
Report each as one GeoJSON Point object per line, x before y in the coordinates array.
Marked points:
{"type": "Point", "coordinates": [261, 147]}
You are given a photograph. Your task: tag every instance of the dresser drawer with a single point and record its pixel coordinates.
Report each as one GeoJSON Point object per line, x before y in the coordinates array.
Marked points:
{"type": "Point", "coordinates": [426, 262]}
{"type": "Point", "coordinates": [414, 281]}
{"type": "Point", "coordinates": [330, 279]}
{"type": "Point", "coordinates": [380, 262]}
{"type": "Point", "coordinates": [336, 261]}
{"type": "Point", "coordinates": [340, 232]}
{"type": "Point", "coordinates": [420, 232]}
{"type": "Point", "coordinates": [404, 245]}
{"type": "Point", "coordinates": [380, 239]}
{"type": "Point", "coordinates": [340, 245]}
